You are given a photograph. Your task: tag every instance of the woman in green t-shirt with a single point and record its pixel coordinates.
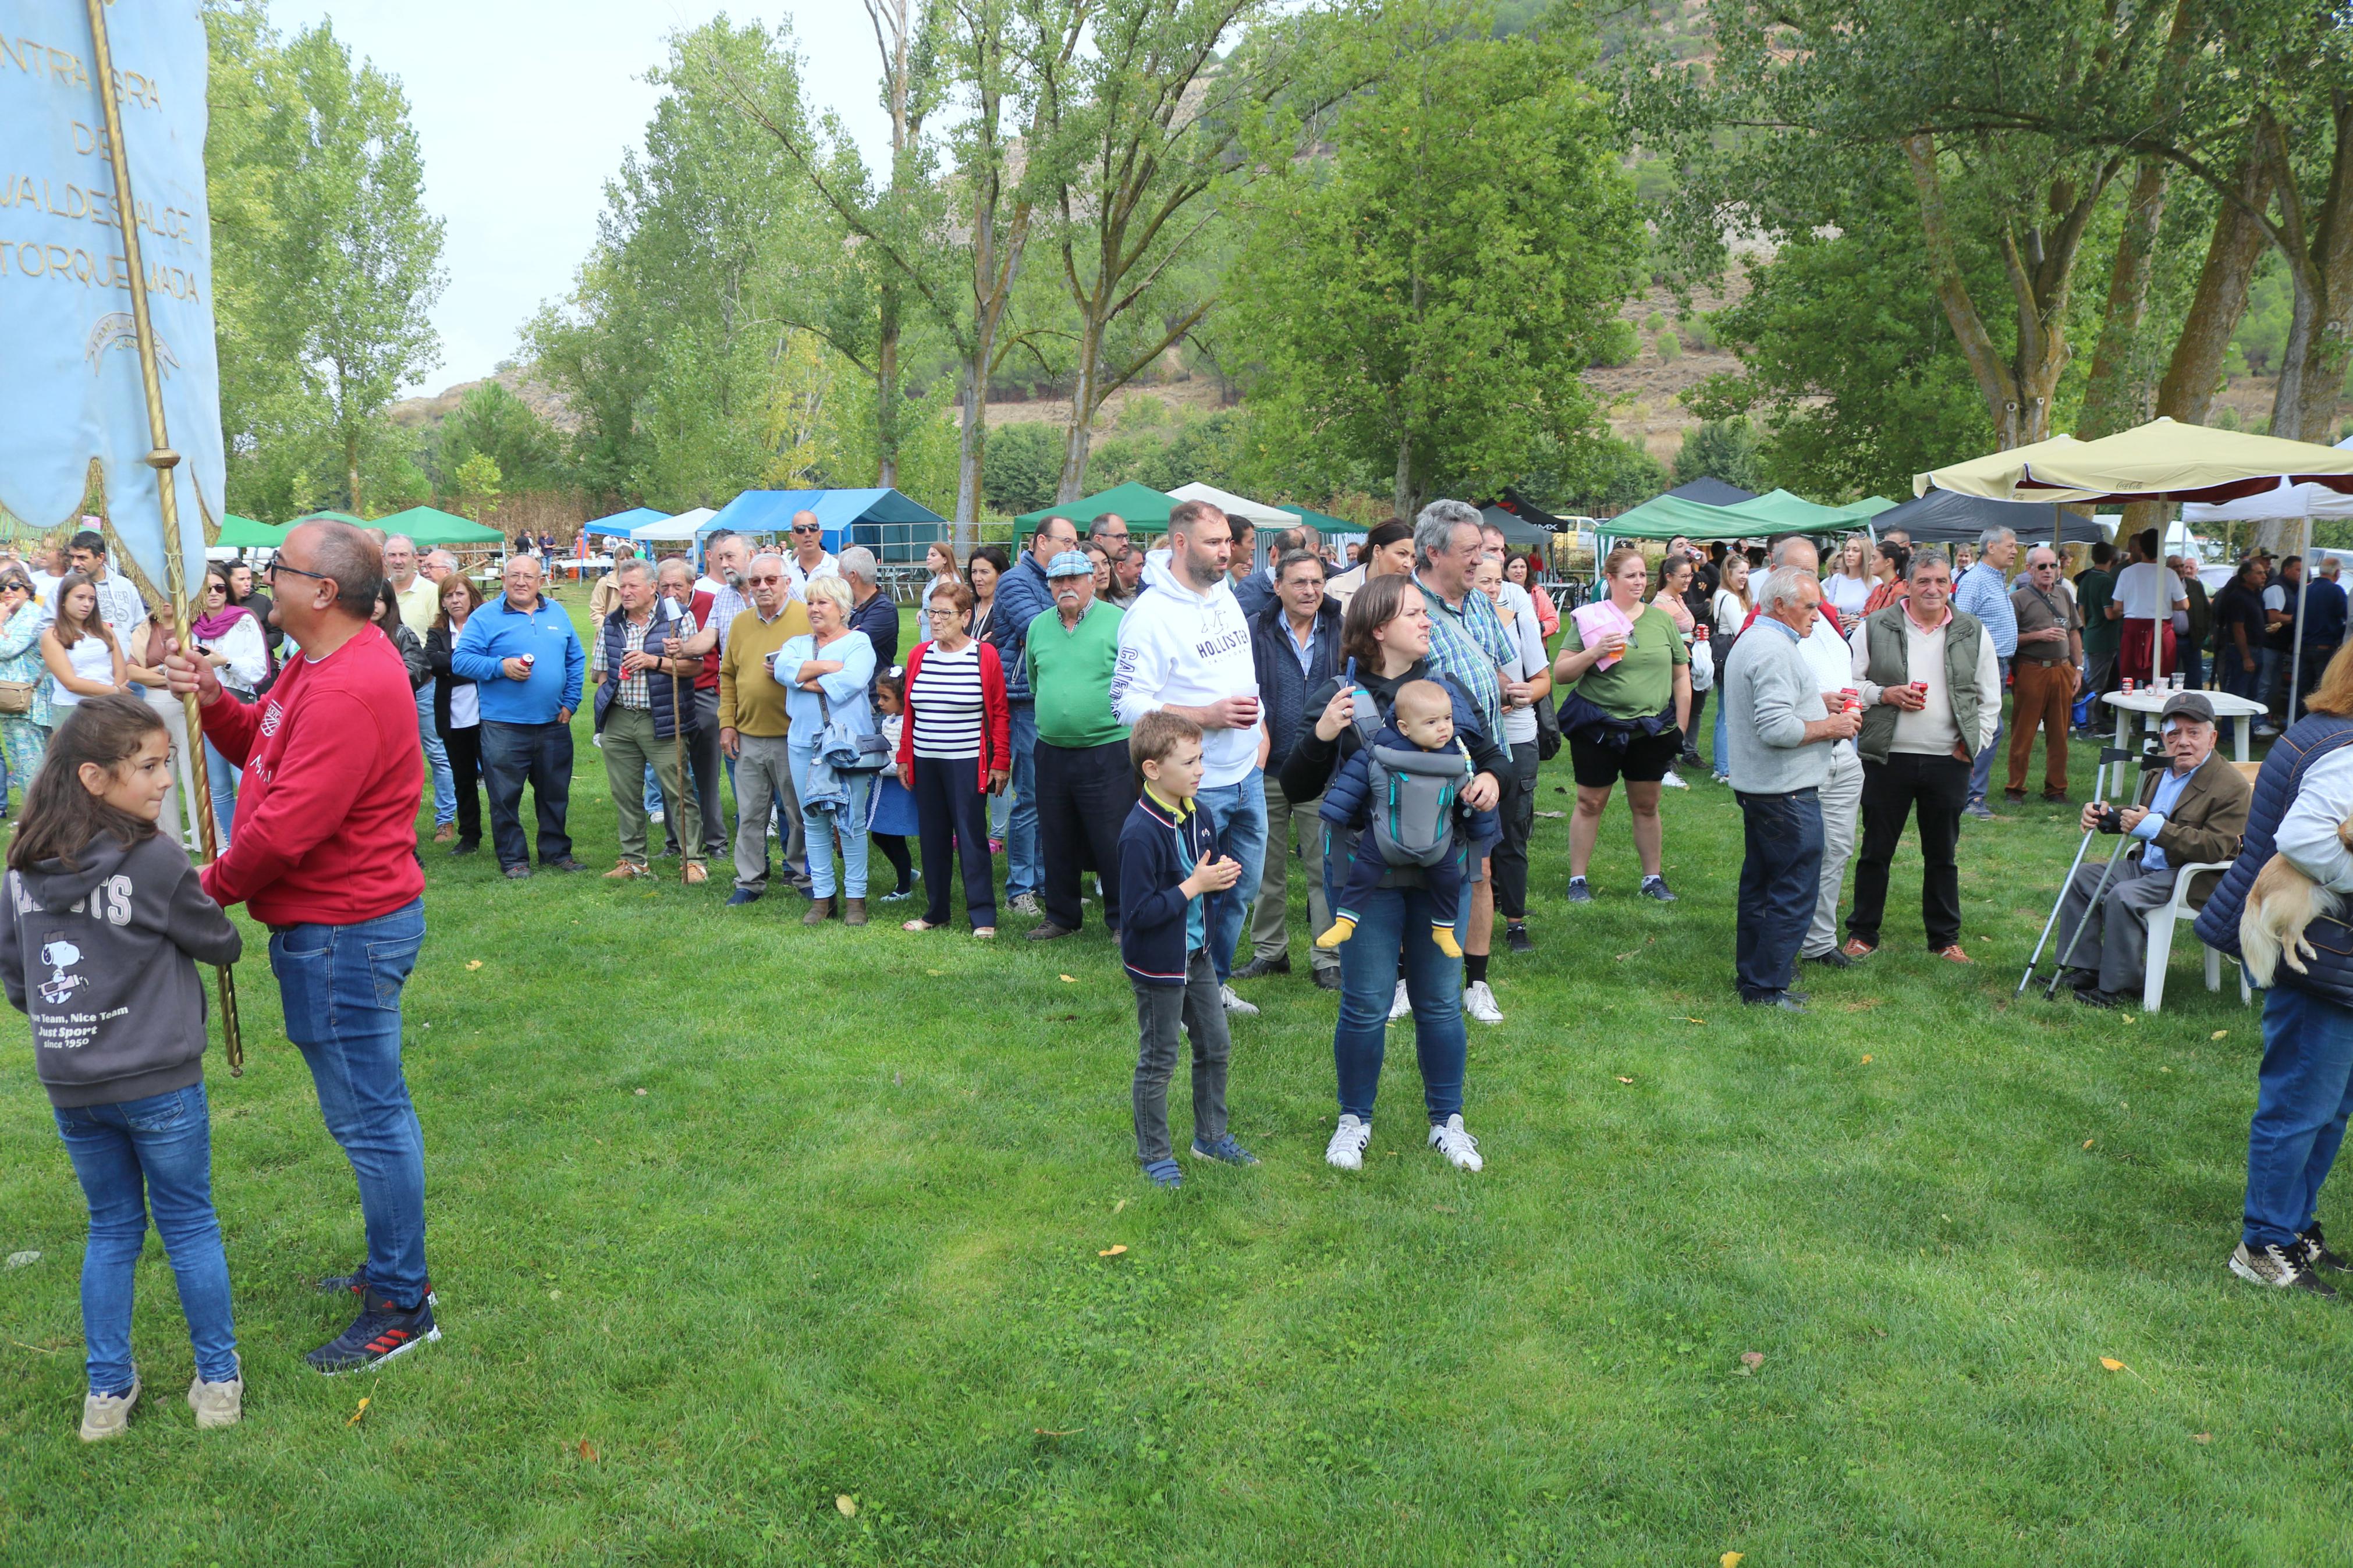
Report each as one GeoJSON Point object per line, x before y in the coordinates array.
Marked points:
{"type": "Point", "coordinates": [1651, 677]}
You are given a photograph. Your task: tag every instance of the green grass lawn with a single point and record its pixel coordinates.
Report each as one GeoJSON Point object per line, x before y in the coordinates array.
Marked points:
{"type": "Point", "coordinates": [740, 1228]}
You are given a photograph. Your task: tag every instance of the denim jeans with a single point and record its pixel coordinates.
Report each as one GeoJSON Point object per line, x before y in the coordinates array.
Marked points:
{"type": "Point", "coordinates": [1394, 925]}
{"type": "Point", "coordinates": [1721, 758]}
{"type": "Point", "coordinates": [141, 1155]}
{"type": "Point", "coordinates": [1981, 765]}
{"type": "Point", "coordinates": [822, 830]}
{"type": "Point", "coordinates": [221, 778]}
{"type": "Point", "coordinates": [340, 987]}
{"type": "Point", "coordinates": [541, 755]}
{"type": "Point", "coordinates": [651, 794]}
{"type": "Point", "coordinates": [437, 760]}
{"type": "Point", "coordinates": [2304, 1091]}
{"type": "Point", "coordinates": [1023, 874]}
{"type": "Point", "coordinates": [1781, 878]}
{"type": "Point", "coordinates": [1239, 812]}
{"type": "Point", "coordinates": [1166, 1017]}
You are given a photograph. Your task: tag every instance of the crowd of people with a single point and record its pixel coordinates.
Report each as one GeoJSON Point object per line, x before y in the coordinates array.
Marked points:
{"type": "Point", "coordinates": [1184, 721]}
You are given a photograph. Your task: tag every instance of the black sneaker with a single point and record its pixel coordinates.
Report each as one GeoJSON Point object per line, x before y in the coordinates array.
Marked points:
{"type": "Point", "coordinates": [1578, 893]}
{"type": "Point", "coordinates": [1327, 980]}
{"type": "Point", "coordinates": [566, 864]}
{"type": "Point", "coordinates": [356, 1284]}
{"type": "Point", "coordinates": [1656, 887]}
{"type": "Point", "coordinates": [1259, 968]}
{"type": "Point", "coordinates": [1515, 937]}
{"type": "Point", "coordinates": [465, 847]}
{"type": "Point", "coordinates": [380, 1332]}
{"type": "Point", "coordinates": [2095, 997]}
{"type": "Point", "coordinates": [2317, 1253]}
{"type": "Point", "coordinates": [516, 873]}
{"type": "Point", "coordinates": [1833, 959]}
{"type": "Point", "coordinates": [2280, 1268]}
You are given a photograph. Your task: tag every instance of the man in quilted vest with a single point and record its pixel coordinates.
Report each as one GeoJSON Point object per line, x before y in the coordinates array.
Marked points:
{"type": "Point", "coordinates": [1931, 689]}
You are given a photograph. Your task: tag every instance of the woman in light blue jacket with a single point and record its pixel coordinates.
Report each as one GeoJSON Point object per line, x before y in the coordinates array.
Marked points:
{"type": "Point", "coordinates": [828, 676]}
{"type": "Point", "coordinates": [26, 734]}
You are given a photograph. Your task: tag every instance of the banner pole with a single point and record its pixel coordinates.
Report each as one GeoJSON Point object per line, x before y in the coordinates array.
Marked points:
{"type": "Point", "coordinates": [163, 459]}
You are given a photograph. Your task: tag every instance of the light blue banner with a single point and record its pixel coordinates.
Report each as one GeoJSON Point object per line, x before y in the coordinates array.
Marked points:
{"type": "Point", "coordinates": [71, 389]}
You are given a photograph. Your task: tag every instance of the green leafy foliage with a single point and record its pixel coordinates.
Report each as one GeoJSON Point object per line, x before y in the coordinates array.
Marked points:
{"type": "Point", "coordinates": [1725, 449]}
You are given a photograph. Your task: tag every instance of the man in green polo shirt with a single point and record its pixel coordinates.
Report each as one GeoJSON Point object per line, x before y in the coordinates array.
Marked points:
{"type": "Point", "coordinates": [1084, 783]}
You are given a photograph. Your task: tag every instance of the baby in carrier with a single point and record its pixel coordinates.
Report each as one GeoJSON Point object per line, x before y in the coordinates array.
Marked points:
{"type": "Point", "coordinates": [1402, 791]}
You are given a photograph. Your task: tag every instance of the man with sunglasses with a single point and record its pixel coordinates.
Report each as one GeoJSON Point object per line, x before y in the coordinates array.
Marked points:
{"type": "Point", "coordinates": [2043, 681]}
{"type": "Point", "coordinates": [326, 856]}
{"type": "Point", "coordinates": [809, 558]}
{"type": "Point", "coordinates": [752, 723]}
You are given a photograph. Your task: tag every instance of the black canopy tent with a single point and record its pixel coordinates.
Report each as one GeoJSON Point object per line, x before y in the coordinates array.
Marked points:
{"type": "Point", "coordinates": [1712, 492]}
{"type": "Point", "coordinates": [1525, 525]}
{"type": "Point", "coordinates": [1948, 517]}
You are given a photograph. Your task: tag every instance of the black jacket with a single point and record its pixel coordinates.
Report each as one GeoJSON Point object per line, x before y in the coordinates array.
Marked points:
{"type": "Point", "coordinates": [1154, 849]}
{"type": "Point", "coordinates": [102, 959]}
{"type": "Point", "coordinates": [445, 680]}
{"type": "Point", "coordinates": [1312, 758]}
{"type": "Point", "coordinates": [412, 654]}
{"type": "Point", "coordinates": [1281, 688]}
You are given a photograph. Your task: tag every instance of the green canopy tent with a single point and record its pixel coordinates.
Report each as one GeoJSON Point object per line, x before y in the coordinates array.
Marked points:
{"type": "Point", "coordinates": [244, 534]}
{"type": "Point", "coordinates": [1324, 524]}
{"type": "Point", "coordinates": [1146, 508]}
{"type": "Point", "coordinates": [332, 517]}
{"type": "Point", "coordinates": [430, 526]}
{"type": "Point", "coordinates": [1667, 515]}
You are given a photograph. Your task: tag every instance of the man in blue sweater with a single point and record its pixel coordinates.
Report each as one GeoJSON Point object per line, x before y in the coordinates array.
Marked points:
{"type": "Point", "coordinates": [529, 668]}
{"type": "Point", "coordinates": [1022, 596]}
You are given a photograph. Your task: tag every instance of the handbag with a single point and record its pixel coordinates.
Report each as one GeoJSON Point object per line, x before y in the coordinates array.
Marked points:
{"type": "Point", "coordinates": [1547, 729]}
{"type": "Point", "coordinates": [845, 752]}
{"type": "Point", "coordinates": [16, 696]}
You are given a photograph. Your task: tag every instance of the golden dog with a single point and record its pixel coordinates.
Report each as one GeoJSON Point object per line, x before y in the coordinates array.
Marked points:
{"type": "Point", "coordinates": [2281, 904]}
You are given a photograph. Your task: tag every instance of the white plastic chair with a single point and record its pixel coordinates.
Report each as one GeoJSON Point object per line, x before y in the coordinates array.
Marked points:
{"type": "Point", "coordinates": [2160, 940]}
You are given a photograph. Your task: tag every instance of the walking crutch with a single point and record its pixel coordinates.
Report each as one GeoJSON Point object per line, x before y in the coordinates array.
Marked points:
{"type": "Point", "coordinates": [2107, 755]}
{"type": "Point", "coordinates": [678, 744]}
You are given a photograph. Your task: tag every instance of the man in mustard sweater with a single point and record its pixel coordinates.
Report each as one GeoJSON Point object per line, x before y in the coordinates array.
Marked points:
{"type": "Point", "coordinates": [752, 719]}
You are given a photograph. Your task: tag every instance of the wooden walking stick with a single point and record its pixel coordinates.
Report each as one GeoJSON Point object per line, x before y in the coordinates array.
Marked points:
{"type": "Point", "coordinates": [678, 742]}
{"type": "Point", "coordinates": [163, 459]}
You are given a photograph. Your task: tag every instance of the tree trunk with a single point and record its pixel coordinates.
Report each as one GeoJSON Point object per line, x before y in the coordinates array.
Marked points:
{"type": "Point", "coordinates": [1993, 377]}
{"type": "Point", "coordinates": [2195, 370]}
{"type": "Point", "coordinates": [2312, 366]}
{"type": "Point", "coordinates": [352, 467]}
{"type": "Point", "coordinates": [1404, 494]}
{"type": "Point", "coordinates": [886, 386]}
{"type": "Point", "coordinates": [2110, 399]}
{"type": "Point", "coordinates": [969, 438]}
{"type": "Point", "coordinates": [1086, 393]}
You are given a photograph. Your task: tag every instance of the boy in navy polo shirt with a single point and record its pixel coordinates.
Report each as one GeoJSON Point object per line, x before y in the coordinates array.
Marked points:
{"type": "Point", "coordinates": [1169, 870]}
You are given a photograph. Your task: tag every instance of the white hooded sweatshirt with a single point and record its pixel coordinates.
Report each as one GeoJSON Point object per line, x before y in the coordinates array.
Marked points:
{"type": "Point", "coordinates": [1180, 648]}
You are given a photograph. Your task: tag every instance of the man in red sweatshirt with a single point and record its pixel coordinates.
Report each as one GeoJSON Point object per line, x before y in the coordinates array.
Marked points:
{"type": "Point", "coordinates": [325, 856]}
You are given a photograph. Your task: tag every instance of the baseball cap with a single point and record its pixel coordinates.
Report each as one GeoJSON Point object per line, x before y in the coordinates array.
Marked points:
{"type": "Point", "coordinates": [2186, 705]}
{"type": "Point", "coordinates": [1071, 563]}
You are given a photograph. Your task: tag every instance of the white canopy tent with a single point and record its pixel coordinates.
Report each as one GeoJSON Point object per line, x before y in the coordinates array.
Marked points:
{"type": "Point", "coordinates": [2284, 502]}
{"type": "Point", "coordinates": [1233, 505]}
{"type": "Point", "coordinates": [680, 529]}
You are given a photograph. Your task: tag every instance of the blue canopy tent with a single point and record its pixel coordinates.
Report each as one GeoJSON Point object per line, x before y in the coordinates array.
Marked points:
{"type": "Point", "coordinates": [620, 522]}
{"type": "Point", "coordinates": [886, 522]}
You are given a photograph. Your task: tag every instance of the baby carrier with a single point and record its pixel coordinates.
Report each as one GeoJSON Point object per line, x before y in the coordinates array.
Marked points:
{"type": "Point", "coordinates": [1414, 796]}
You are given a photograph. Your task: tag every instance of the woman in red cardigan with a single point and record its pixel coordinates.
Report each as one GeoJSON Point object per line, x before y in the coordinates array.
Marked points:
{"type": "Point", "coordinates": [953, 754]}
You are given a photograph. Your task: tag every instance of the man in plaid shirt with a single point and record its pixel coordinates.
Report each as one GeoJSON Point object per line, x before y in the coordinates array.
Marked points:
{"type": "Point", "coordinates": [1467, 641]}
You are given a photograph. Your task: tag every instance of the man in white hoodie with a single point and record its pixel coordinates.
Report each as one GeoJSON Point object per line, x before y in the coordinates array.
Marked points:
{"type": "Point", "coordinates": [1185, 647]}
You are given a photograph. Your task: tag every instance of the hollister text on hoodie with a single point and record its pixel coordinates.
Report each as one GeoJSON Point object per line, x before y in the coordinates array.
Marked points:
{"type": "Point", "coordinates": [1183, 649]}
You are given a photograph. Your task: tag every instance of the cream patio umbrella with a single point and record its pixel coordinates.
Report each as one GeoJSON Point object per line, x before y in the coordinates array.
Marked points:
{"type": "Point", "coordinates": [2163, 460]}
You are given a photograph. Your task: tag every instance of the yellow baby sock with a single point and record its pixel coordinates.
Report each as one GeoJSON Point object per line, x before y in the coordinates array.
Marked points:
{"type": "Point", "coordinates": [1342, 930]}
{"type": "Point", "coordinates": [1444, 937]}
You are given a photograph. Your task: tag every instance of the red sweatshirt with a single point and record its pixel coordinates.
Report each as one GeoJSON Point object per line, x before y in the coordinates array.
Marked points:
{"type": "Point", "coordinates": [326, 816]}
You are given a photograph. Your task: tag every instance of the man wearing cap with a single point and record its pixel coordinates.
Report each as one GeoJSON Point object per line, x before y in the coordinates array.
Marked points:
{"type": "Point", "coordinates": [1084, 785]}
{"type": "Point", "coordinates": [2194, 810]}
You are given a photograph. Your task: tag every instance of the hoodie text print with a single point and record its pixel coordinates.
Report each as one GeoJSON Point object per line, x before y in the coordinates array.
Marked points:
{"type": "Point", "coordinates": [1183, 649]}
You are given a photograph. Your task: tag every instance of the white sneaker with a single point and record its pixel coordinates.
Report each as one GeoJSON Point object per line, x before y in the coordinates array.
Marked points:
{"type": "Point", "coordinates": [217, 1403]}
{"type": "Point", "coordinates": [105, 1415]}
{"type": "Point", "coordinates": [1347, 1150]}
{"type": "Point", "coordinates": [1234, 1004]}
{"type": "Point", "coordinates": [655, 815]}
{"type": "Point", "coordinates": [1673, 779]}
{"type": "Point", "coordinates": [1480, 1003]}
{"type": "Point", "coordinates": [1402, 1006]}
{"type": "Point", "coordinates": [1462, 1149]}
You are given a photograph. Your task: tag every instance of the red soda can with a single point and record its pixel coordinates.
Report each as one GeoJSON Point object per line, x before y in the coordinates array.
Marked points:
{"type": "Point", "coordinates": [2128, 686]}
{"type": "Point", "coordinates": [1850, 698]}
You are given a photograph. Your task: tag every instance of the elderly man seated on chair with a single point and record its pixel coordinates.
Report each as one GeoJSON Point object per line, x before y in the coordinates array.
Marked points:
{"type": "Point", "coordinates": [2190, 812]}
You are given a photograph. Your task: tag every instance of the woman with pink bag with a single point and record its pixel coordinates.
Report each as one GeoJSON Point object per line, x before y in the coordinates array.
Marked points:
{"type": "Point", "coordinates": [1627, 671]}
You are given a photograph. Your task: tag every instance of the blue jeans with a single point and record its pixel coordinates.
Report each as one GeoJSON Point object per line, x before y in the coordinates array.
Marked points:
{"type": "Point", "coordinates": [2303, 1093]}
{"type": "Point", "coordinates": [1023, 873]}
{"type": "Point", "coordinates": [1239, 812]}
{"type": "Point", "coordinates": [139, 1155]}
{"type": "Point", "coordinates": [540, 754]}
{"type": "Point", "coordinates": [821, 830]}
{"type": "Point", "coordinates": [2271, 679]}
{"type": "Point", "coordinates": [1781, 878]}
{"type": "Point", "coordinates": [222, 777]}
{"type": "Point", "coordinates": [1981, 766]}
{"type": "Point", "coordinates": [653, 793]}
{"type": "Point", "coordinates": [1394, 929]}
{"type": "Point", "coordinates": [1722, 755]}
{"type": "Point", "coordinates": [437, 760]}
{"type": "Point", "coordinates": [340, 987]}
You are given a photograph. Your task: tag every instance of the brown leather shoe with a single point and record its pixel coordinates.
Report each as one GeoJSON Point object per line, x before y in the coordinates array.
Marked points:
{"type": "Point", "coordinates": [819, 912]}
{"type": "Point", "coordinates": [853, 912]}
{"type": "Point", "coordinates": [445, 833]}
{"type": "Point", "coordinates": [2058, 797]}
{"type": "Point", "coordinates": [623, 870]}
{"type": "Point", "coordinates": [2014, 796]}
{"type": "Point", "coordinates": [1953, 954]}
{"type": "Point", "coordinates": [696, 875]}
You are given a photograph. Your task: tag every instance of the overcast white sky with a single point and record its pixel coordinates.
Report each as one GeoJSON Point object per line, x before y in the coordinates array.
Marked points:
{"type": "Point", "coordinates": [523, 108]}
